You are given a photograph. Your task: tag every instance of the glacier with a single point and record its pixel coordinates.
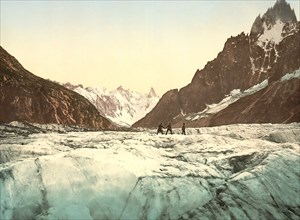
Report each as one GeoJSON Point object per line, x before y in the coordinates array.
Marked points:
{"type": "Point", "coordinates": [227, 172]}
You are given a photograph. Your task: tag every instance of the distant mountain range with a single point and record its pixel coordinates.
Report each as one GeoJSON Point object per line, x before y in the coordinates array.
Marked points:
{"type": "Point", "coordinates": [29, 98]}
{"type": "Point", "coordinates": [254, 79]}
{"type": "Point", "coordinates": [122, 106]}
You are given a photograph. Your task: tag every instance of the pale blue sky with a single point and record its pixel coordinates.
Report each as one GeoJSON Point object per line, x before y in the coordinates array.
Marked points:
{"type": "Point", "coordinates": [137, 44]}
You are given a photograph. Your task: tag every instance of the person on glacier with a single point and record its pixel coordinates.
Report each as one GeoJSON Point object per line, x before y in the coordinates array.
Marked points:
{"type": "Point", "coordinates": [159, 129]}
{"type": "Point", "coordinates": [169, 128]}
{"type": "Point", "coordinates": [183, 129]}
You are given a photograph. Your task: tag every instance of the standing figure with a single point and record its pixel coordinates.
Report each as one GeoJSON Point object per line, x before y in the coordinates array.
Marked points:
{"type": "Point", "coordinates": [183, 129]}
{"type": "Point", "coordinates": [159, 129]}
{"type": "Point", "coordinates": [169, 128]}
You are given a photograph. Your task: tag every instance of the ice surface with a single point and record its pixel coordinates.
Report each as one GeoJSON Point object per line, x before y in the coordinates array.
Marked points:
{"type": "Point", "coordinates": [227, 172]}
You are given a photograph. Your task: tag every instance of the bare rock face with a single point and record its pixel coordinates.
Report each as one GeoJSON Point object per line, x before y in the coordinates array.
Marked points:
{"type": "Point", "coordinates": [227, 72]}
{"type": "Point", "coordinates": [218, 78]}
{"type": "Point", "coordinates": [29, 98]}
{"type": "Point", "coordinates": [278, 103]}
{"type": "Point", "coordinates": [266, 36]}
{"type": "Point", "coordinates": [271, 51]}
{"type": "Point", "coordinates": [281, 11]}
{"type": "Point", "coordinates": [288, 54]}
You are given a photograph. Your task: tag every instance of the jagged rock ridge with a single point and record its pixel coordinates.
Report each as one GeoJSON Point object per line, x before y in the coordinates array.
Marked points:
{"type": "Point", "coordinates": [245, 61]}
{"type": "Point", "coordinates": [281, 11]}
{"type": "Point", "coordinates": [29, 98]}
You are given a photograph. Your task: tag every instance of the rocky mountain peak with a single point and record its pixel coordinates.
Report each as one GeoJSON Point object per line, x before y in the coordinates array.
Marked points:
{"type": "Point", "coordinates": [152, 93]}
{"type": "Point", "coordinates": [120, 88]}
{"type": "Point", "coordinates": [280, 13]}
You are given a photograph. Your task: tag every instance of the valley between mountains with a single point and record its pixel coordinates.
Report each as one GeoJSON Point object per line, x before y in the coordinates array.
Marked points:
{"type": "Point", "coordinates": [79, 152]}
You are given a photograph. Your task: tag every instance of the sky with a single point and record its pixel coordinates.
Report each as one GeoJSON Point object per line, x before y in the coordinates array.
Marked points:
{"type": "Point", "coordinates": [136, 44]}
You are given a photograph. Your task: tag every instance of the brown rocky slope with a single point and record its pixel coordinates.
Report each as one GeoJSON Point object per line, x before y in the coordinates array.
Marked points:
{"type": "Point", "coordinates": [29, 98]}
{"type": "Point", "coordinates": [279, 102]}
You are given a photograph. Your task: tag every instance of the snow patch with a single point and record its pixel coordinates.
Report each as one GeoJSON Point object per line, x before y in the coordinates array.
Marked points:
{"type": "Point", "coordinates": [271, 34]}
{"type": "Point", "coordinates": [290, 76]}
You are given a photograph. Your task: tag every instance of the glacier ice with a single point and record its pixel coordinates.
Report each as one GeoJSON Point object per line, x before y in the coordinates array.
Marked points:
{"type": "Point", "coordinates": [226, 172]}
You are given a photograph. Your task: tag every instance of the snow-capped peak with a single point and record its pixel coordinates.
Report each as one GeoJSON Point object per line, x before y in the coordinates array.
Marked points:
{"type": "Point", "coordinates": [269, 27]}
{"type": "Point", "coordinates": [122, 106]}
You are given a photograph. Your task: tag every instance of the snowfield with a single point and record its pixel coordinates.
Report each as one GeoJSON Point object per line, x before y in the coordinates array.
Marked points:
{"type": "Point", "coordinates": [227, 172]}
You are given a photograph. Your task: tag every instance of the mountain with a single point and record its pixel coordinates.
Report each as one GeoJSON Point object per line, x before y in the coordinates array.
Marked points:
{"type": "Point", "coordinates": [269, 52]}
{"type": "Point", "coordinates": [246, 106]}
{"type": "Point", "coordinates": [278, 15]}
{"type": "Point", "coordinates": [122, 106]}
{"type": "Point", "coordinates": [29, 98]}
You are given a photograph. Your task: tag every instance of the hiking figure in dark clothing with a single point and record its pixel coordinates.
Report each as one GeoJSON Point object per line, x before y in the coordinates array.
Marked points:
{"type": "Point", "coordinates": [159, 129]}
{"type": "Point", "coordinates": [169, 128]}
{"type": "Point", "coordinates": [183, 129]}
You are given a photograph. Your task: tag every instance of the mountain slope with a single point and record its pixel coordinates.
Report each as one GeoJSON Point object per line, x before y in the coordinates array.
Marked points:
{"type": "Point", "coordinates": [276, 102]}
{"type": "Point", "coordinates": [269, 52]}
{"type": "Point", "coordinates": [124, 107]}
{"type": "Point", "coordinates": [252, 109]}
{"type": "Point", "coordinates": [26, 97]}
